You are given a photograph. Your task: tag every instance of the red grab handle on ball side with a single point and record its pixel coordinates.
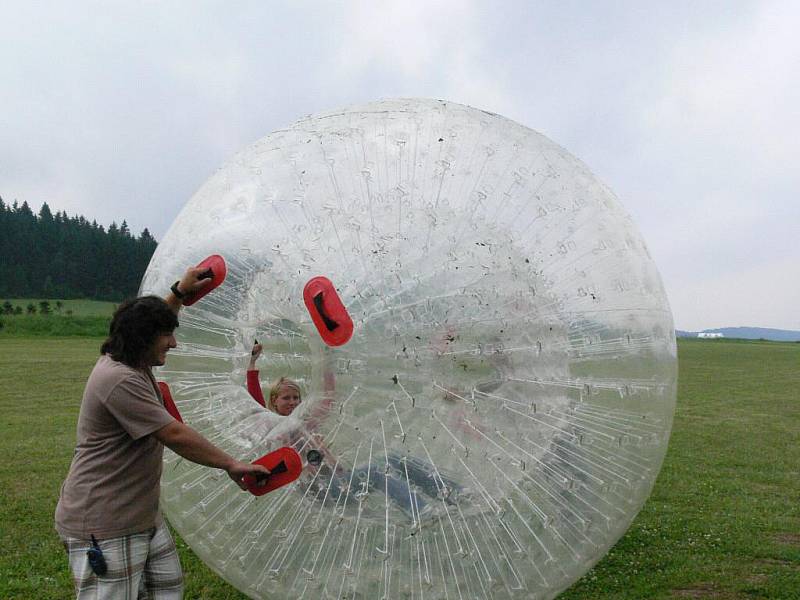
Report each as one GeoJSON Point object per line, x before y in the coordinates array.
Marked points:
{"type": "Point", "coordinates": [216, 270]}
{"type": "Point", "coordinates": [284, 465]}
{"type": "Point", "coordinates": [327, 311]}
{"type": "Point", "coordinates": [169, 403]}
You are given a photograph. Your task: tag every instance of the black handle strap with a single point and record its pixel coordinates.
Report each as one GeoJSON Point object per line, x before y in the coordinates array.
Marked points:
{"type": "Point", "coordinates": [329, 323]}
{"type": "Point", "coordinates": [279, 468]}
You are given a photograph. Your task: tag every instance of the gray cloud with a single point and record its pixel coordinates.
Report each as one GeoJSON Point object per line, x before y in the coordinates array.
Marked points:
{"type": "Point", "coordinates": [687, 110]}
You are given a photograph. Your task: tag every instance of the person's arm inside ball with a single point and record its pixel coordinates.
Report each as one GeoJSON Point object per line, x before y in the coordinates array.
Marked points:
{"type": "Point", "coordinates": [253, 384]}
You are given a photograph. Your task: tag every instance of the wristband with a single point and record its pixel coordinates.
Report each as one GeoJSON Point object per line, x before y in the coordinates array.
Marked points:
{"type": "Point", "coordinates": [178, 294]}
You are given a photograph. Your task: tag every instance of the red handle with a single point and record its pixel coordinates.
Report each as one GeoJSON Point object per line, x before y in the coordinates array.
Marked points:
{"type": "Point", "coordinates": [216, 269]}
{"type": "Point", "coordinates": [169, 403]}
{"type": "Point", "coordinates": [327, 311]}
{"type": "Point", "coordinates": [281, 473]}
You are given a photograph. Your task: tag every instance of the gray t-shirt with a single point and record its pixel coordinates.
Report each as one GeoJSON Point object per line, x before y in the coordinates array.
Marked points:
{"type": "Point", "coordinates": [112, 487]}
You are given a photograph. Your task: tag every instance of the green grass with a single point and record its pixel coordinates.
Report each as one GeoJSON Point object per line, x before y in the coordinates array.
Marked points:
{"type": "Point", "coordinates": [80, 318]}
{"type": "Point", "coordinates": [46, 326]}
{"type": "Point", "coordinates": [723, 520]}
{"type": "Point", "coordinates": [79, 308]}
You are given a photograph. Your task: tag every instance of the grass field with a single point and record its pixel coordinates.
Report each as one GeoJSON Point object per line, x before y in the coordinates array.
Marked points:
{"type": "Point", "coordinates": [75, 318]}
{"type": "Point", "coordinates": [723, 521]}
{"type": "Point", "coordinates": [79, 308]}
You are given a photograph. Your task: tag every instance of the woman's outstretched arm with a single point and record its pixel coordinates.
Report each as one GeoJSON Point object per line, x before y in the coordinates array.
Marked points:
{"type": "Point", "coordinates": [253, 384]}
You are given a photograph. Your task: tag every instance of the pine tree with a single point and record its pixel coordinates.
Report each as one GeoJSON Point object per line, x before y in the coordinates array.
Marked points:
{"type": "Point", "coordinates": [48, 255]}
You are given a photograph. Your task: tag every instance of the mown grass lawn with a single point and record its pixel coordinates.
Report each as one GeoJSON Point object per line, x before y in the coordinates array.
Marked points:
{"type": "Point", "coordinates": [74, 318]}
{"type": "Point", "coordinates": [78, 308]}
{"type": "Point", "coordinates": [723, 520]}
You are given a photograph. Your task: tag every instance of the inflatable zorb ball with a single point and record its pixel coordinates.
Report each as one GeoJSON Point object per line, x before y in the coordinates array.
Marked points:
{"type": "Point", "coordinates": [503, 407]}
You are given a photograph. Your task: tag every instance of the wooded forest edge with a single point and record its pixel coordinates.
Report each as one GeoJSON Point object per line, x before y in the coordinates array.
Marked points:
{"type": "Point", "coordinates": [48, 255]}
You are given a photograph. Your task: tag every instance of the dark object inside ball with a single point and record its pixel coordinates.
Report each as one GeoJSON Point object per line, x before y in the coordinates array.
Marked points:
{"type": "Point", "coordinates": [314, 457]}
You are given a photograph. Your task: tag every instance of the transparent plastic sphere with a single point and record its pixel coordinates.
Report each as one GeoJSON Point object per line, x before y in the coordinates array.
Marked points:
{"type": "Point", "coordinates": [504, 405]}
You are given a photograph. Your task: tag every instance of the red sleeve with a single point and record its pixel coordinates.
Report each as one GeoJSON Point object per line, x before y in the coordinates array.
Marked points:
{"type": "Point", "coordinates": [254, 387]}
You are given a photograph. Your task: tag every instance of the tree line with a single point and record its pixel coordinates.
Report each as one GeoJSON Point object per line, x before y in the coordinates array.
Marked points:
{"type": "Point", "coordinates": [57, 256]}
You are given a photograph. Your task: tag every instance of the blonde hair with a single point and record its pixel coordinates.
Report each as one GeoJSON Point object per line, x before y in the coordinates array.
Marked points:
{"type": "Point", "coordinates": [276, 388]}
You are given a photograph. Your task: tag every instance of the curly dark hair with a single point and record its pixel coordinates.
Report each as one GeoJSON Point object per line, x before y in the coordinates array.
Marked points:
{"type": "Point", "coordinates": [134, 328]}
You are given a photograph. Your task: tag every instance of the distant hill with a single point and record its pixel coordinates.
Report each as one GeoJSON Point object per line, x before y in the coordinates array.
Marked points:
{"type": "Point", "coordinates": [749, 333]}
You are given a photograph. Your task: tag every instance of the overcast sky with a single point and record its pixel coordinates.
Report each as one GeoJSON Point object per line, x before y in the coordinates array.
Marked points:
{"type": "Point", "coordinates": [689, 111]}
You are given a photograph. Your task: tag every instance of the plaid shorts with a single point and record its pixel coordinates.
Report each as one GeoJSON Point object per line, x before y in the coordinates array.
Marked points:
{"type": "Point", "coordinates": [140, 566]}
